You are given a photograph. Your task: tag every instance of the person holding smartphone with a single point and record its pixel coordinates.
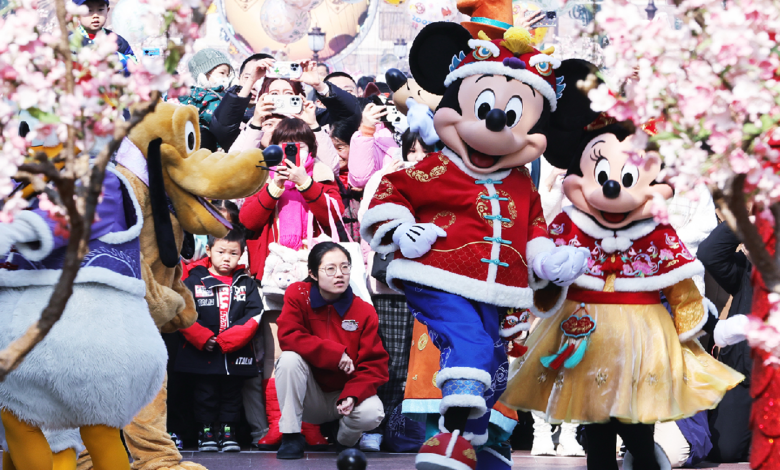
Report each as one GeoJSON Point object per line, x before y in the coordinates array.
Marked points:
{"type": "Point", "coordinates": [229, 119]}
{"type": "Point", "coordinates": [301, 187]}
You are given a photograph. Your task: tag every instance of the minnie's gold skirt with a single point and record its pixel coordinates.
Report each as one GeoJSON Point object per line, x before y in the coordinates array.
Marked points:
{"type": "Point", "coordinates": [635, 369]}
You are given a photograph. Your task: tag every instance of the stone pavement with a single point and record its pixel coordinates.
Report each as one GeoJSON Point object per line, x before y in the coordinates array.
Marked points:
{"type": "Point", "coordinates": [377, 461]}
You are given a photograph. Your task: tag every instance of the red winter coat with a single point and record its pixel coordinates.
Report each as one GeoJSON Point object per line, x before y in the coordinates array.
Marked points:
{"type": "Point", "coordinates": [259, 215]}
{"type": "Point", "coordinates": [316, 330]}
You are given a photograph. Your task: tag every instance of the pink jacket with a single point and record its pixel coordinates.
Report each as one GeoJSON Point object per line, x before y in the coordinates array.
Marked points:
{"type": "Point", "coordinates": [369, 151]}
{"type": "Point", "coordinates": [326, 153]}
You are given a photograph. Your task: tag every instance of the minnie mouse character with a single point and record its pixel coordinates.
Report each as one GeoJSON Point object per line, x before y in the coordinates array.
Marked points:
{"type": "Point", "coordinates": [468, 221]}
{"type": "Point", "coordinates": [613, 356]}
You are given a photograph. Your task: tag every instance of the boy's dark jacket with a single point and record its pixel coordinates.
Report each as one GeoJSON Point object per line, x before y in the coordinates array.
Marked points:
{"type": "Point", "coordinates": [234, 354]}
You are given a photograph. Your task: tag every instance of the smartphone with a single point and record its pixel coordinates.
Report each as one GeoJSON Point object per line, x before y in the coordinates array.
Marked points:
{"type": "Point", "coordinates": [292, 151]}
{"type": "Point", "coordinates": [549, 19]}
{"type": "Point", "coordinates": [281, 69]}
{"type": "Point", "coordinates": [393, 116]}
{"type": "Point", "coordinates": [287, 104]}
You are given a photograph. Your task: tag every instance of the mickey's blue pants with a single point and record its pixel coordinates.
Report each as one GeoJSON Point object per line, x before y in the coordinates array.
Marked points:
{"type": "Point", "coordinates": [474, 365]}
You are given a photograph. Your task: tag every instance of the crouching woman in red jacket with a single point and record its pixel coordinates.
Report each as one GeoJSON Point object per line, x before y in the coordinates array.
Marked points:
{"type": "Point", "coordinates": [332, 358]}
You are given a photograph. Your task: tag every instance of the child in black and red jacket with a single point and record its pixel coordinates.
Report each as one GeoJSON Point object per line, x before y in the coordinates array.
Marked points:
{"type": "Point", "coordinates": [218, 347]}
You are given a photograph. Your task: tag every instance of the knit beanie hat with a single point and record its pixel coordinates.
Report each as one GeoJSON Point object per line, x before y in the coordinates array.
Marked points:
{"type": "Point", "coordinates": [206, 60]}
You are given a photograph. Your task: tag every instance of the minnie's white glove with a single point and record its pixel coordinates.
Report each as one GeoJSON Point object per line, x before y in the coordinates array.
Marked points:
{"type": "Point", "coordinates": [415, 240]}
{"type": "Point", "coordinates": [563, 265]}
{"type": "Point", "coordinates": [730, 331]}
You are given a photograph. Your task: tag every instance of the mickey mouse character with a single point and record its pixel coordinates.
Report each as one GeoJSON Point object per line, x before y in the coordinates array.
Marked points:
{"type": "Point", "coordinates": [613, 356]}
{"type": "Point", "coordinates": [468, 222]}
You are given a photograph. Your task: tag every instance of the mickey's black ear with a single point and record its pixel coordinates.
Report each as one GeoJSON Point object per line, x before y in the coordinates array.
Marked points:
{"type": "Point", "coordinates": [573, 112]}
{"type": "Point", "coordinates": [432, 53]}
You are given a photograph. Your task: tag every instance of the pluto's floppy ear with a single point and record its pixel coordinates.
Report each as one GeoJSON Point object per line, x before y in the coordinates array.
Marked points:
{"type": "Point", "coordinates": [163, 228]}
{"type": "Point", "coordinates": [432, 53]}
{"type": "Point", "coordinates": [573, 115]}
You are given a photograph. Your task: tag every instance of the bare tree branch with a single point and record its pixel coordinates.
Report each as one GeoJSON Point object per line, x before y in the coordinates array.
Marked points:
{"type": "Point", "coordinates": [733, 206]}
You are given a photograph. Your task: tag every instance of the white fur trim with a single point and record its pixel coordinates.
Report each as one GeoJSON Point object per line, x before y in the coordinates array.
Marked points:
{"type": "Point", "coordinates": [588, 282]}
{"type": "Point", "coordinates": [463, 373]}
{"type": "Point", "coordinates": [585, 223]}
{"type": "Point", "coordinates": [87, 274]}
{"type": "Point", "coordinates": [539, 58]}
{"type": "Point", "coordinates": [475, 43]}
{"type": "Point", "coordinates": [498, 68]}
{"type": "Point", "coordinates": [555, 308]}
{"type": "Point", "coordinates": [536, 246]}
{"type": "Point", "coordinates": [458, 161]}
{"type": "Point", "coordinates": [470, 288]}
{"type": "Point", "coordinates": [658, 282]}
{"type": "Point", "coordinates": [500, 457]}
{"type": "Point", "coordinates": [389, 216]}
{"type": "Point", "coordinates": [709, 309]}
{"type": "Point", "coordinates": [476, 439]}
{"type": "Point", "coordinates": [45, 238]}
{"type": "Point", "coordinates": [430, 461]}
{"type": "Point", "coordinates": [115, 238]}
{"type": "Point", "coordinates": [477, 404]}
{"type": "Point", "coordinates": [613, 244]}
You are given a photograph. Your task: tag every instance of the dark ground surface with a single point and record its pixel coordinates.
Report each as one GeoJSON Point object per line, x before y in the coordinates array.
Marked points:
{"type": "Point", "coordinates": [376, 461]}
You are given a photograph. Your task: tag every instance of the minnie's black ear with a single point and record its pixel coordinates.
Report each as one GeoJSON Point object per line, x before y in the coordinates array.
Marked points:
{"type": "Point", "coordinates": [432, 53]}
{"type": "Point", "coordinates": [573, 110]}
{"type": "Point", "coordinates": [568, 122]}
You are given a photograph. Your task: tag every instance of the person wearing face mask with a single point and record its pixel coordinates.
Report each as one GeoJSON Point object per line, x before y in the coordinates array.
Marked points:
{"type": "Point", "coordinates": [333, 361]}
{"type": "Point", "coordinates": [212, 72]}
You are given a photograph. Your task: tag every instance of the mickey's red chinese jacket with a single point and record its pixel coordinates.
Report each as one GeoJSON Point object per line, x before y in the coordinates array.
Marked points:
{"type": "Point", "coordinates": [494, 226]}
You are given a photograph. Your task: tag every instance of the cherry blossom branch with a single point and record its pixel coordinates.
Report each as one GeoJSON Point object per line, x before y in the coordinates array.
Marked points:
{"type": "Point", "coordinates": [77, 248]}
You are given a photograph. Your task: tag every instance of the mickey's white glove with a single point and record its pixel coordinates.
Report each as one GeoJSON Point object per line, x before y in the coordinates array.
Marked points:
{"type": "Point", "coordinates": [415, 240]}
{"type": "Point", "coordinates": [563, 265]}
{"type": "Point", "coordinates": [420, 120]}
{"type": "Point", "coordinates": [731, 330]}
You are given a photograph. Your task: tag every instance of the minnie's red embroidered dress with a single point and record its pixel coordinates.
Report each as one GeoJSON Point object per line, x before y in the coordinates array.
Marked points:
{"type": "Point", "coordinates": [613, 350]}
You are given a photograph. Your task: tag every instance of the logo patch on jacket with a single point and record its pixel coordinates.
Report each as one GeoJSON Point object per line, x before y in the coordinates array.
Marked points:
{"type": "Point", "coordinates": [203, 291]}
{"type": "Point", "coordinates": [349, 325]}
{"type": "Point", "coordinates": [243, 361]}
{"type": "Point", "coordinates": [205, 302]}
{"type": "Point", "coordinates": [239, 293]}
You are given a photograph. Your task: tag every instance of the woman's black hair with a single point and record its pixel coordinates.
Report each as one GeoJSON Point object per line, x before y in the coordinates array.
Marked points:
{"type": "Point", "coordinates": [230, 207]}
{"type": "Point", "coordinates": [343, 130]}
{"type": "Point", "coordinates": [318, 252]}
{"type": "Point", "coordinates": [408, 138]}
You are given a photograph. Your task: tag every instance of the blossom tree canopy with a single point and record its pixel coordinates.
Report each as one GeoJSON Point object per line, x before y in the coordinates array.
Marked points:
{"type": "Point", "coordinates": [78, 95]}
{"type": "Point", "coordinates": [710, 83]}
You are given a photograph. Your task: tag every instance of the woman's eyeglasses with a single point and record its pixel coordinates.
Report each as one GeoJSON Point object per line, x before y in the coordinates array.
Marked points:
{"type": "Point", "coordinates": [331, 270]}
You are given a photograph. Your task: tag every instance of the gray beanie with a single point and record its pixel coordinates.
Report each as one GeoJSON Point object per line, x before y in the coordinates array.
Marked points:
{"type": "Point", "coordinates": [206, 60]}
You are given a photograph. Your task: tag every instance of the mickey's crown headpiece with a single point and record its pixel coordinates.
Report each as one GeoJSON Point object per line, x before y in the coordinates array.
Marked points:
{"type": "Point", "coordinates": [513, 56]}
